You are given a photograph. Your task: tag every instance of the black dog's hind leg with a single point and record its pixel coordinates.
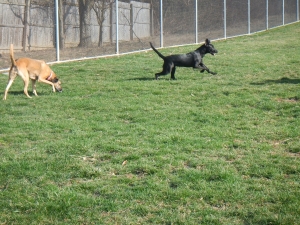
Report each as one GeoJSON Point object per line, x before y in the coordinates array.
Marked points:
{"type": "Point", "coordinates": [173, 73]}
{"type": "Point", "coordinates": [167, 68]}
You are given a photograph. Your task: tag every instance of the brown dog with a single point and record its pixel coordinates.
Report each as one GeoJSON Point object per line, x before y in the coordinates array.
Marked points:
{"type": "Point", "coordinates": [36, 70]}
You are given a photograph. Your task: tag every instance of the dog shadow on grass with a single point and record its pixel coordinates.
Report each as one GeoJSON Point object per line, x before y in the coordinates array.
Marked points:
{"type": "Point", "coordinates": [284, 80]}
{"type": "Point", "coordinates": [16, 93]}
{"type": "Point", "coordinates": [142, 78]}
{"type": "Point", "coordinates": [21, 93]}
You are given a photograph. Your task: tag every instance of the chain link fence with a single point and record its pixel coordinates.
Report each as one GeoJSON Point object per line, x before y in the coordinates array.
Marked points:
{"type": "Point", "coordinates": [61, 30]}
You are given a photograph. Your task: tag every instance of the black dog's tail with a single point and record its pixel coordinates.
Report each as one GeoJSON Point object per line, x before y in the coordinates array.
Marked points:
{"type": "Point", "coordinates": [157, 52]}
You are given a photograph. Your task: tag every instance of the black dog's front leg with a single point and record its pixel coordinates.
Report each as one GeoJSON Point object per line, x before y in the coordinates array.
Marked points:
{"type": "Point", "coordinates": [199, 64]}
{"type": "Point", "coordinates": [205, 68]}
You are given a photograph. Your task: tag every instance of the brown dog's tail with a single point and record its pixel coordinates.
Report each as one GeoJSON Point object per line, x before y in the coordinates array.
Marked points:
{"type": "Point", "coordinates": [157, 52]}
{"type": "Point", "coordinates": [12, 58]}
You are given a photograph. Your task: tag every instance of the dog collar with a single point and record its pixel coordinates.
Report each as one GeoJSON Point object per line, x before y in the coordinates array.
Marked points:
{"type": "Point", "coordinates": [49, 78]}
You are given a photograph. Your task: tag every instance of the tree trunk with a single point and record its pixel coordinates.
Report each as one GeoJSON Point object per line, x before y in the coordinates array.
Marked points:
{"type": "Point", "coordinates": [25, 23]}
{"type": "Point", "coordinates": [100, 7]}
{"type": "Point", "coordinates": [61, 24]}
{"type": "Point", "coordinates": [100, 42]}
{"type": "Point", "coordinates": [85, 7]}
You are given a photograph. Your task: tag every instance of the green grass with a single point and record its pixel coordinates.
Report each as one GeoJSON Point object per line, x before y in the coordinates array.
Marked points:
{"type": "Point", "coordinates": [202, 149]}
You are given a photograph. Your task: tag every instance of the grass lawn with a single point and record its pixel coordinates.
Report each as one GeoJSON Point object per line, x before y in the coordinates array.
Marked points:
{"type": "Point", "coordinates": [118, 147]}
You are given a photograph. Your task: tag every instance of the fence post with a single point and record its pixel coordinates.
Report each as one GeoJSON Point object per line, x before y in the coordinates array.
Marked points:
{"type": "Point", "coordinates": [283, 12]}
{"type": "Point", "coordinates": [249, 14]}
{"type": "Point", "coordinates": [131, 21]}
{"type": "Point", "coordinates": [117, 27]}
{"type": "Point", "coordinates": [297, 10]}
{"type": "Point", "coordinates": [57, 30]}
{"type": "Point", "coordinates": [161, 25]}
{"type": "Point", "coordinates": [196, 21]}
{"type": "Point", "coordinates": [267, 14]}
{"type": "Point", "coordinates": [225, 25]}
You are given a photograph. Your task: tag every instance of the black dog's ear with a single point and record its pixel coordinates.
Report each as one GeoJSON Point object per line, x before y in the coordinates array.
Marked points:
{"type": "Point", "coordinates": [207, 41]}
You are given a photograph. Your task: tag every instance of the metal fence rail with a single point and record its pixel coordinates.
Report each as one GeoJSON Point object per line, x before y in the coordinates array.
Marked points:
{"type": "Point", "coordinates": [57, 30]}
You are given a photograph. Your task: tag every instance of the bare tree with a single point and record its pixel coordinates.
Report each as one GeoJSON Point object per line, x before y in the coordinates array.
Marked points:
{"type": "Point", "coordinates": [131, 21]}
{"type": "Point", "coordinates": [61, 24]}
{"type": "Point", "coordinates": [100, 7]}
{"type": "Point", "coordinates": [85, 7]}
{"type": "Point", "coordinates": [26, 24]}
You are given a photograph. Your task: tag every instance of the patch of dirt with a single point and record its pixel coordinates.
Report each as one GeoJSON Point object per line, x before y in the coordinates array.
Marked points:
{"type": "Point", "coordinates": [70, 53]}
{"type": "Point", "coordinates": [291, 100]}
{"type": "Point", "coordinates": [75, 52]}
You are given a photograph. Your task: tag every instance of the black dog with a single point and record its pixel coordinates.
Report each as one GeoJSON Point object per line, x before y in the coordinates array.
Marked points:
{"type": "Point", "coordinates": [192, 59]}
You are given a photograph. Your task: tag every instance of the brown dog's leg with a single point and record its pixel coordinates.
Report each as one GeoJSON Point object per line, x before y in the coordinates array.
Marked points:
{"type": "Point", "coordinates": [34, 87]}
{"type": "Point", "coordinates": [25, 77]}
{"type": "Point", "coordinates": [26, 83]}
{"type": "Point", "coordinates": [47, 82]}
{"type": "Point", "coordinates": [11, 77]}
{"type": "Point", "coordinates": [10, 81]}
